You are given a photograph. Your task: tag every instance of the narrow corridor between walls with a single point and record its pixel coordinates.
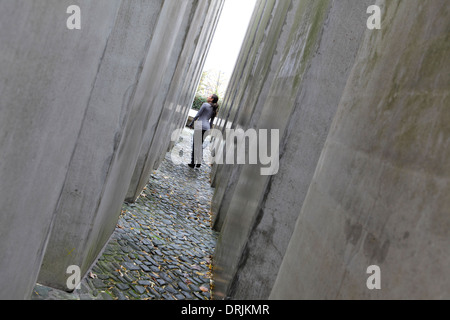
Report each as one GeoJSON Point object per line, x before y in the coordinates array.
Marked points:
{"type": "Point", "coordinates": [163, 244]}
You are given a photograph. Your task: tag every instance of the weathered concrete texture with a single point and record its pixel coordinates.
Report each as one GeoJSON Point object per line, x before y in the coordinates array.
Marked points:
{"type": "Point", "coordinates": [201, 21]}
{"type": "Point", "coordinates": [76, 108]}
{"type": "Point", "coordinates": [259, 219]}
{"type": "Point", "coordinates": [315, 106]}
{"type": "Point", "coordinates": [254, 72]}
{"type": "Point", "coordinates": [102, 129]}
{"type": "Point", "coordinates": [380, 195]}
{"type": "Point", "coordinates": [47, 77]}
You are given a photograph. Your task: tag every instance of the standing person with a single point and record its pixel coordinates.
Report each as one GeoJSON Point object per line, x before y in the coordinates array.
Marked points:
{"type": "Point", "coordinates": [203, 122]}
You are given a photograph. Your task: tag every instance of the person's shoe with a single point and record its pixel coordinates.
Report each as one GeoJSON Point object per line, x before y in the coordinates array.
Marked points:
{"type": "Point", "coordinates": [191, 165]}
{"type": "Point", "coordinates": [198, 165]}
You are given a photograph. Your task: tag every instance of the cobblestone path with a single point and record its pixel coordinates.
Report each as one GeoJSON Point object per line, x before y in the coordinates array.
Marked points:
{"type": "Point", "coordinates": [163, 244]}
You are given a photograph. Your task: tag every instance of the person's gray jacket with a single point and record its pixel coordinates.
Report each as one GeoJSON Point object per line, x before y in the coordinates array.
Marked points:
{"type": "Point", "coordinates": [206, 116]}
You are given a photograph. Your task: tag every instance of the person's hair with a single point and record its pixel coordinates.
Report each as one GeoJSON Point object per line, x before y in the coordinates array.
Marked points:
{"type": "Point", "coordinates": [214, 104]}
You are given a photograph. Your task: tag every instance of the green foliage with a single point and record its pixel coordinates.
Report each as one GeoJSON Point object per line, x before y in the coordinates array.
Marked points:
{"type": "Point", "coordinates": [198, 102]}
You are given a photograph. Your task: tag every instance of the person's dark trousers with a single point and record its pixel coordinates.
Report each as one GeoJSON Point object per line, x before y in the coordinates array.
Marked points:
{"type": "Point", "coordinates": [197, 148]}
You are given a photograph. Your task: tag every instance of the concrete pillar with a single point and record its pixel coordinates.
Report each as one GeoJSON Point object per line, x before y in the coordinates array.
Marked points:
{"type": "Point", "coordinates": [48, 74]}
{"type": "Point", "coordinates": [254, 72]}
{"type": "Point", "coordinates": [98, 140]}
{"type": "Point", "coordinates": [316, 45]}
{"type": "Point", "coordinates": [380, 194]}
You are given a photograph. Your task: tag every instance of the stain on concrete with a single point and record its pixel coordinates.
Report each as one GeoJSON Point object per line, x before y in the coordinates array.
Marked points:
{"type": "Point", "coordinates": [353, 232]}
{"type": "Point", "coordinates": [374, 250]}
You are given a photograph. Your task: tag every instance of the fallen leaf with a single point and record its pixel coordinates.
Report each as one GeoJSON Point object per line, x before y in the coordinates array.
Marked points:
{"type": "Point", "coordinates": [204, 289]}
{"type": "Point", "coordinates": [119, 272]}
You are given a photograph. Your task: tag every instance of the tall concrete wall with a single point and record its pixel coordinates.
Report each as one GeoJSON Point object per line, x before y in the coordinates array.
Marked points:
{"type": "Point", "coordinates": [316, 43]}
{"type": "Point", "coordinates": [380, 194]}
{"type": "Point", "coordinates": [254, 72]}
{"type": "Point", "coordinates": [76, 108]}
{"type": "Point", "coordinates": [100, 135]}
{"type": "Point", "coordinates": [47, 77]}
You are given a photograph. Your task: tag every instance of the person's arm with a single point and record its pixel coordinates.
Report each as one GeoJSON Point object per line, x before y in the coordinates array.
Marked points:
{"type": "Point", "coordinates": [199, 113]}
{"type": "Point", "coordinates": [211, 122]}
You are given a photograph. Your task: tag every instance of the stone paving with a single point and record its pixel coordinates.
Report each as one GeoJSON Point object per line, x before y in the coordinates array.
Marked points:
{"type": "Point", "coordinates": [163, 244]}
